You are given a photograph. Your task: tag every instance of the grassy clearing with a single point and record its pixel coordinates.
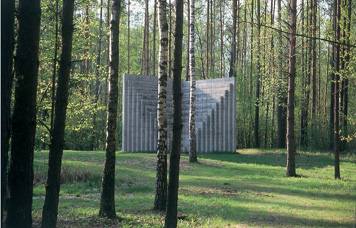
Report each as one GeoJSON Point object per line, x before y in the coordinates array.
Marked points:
{"type": "Point", "coordinates": [248, 189]}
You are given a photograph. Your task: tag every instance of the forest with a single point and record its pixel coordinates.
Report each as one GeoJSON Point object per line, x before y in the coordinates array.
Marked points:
{"type": "Point", "coordinates": [178, 113]}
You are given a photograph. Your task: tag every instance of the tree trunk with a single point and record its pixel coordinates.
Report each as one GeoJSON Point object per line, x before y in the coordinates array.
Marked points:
{"type": "Point", "coordinates": [7, 43]}
{"type": "Point", "coordinates": [172, 197]}
{"type": "Point", "coordinates": [129, 37]}
{"type": "Point", "coordinates": [282, 98]}
{"type": "Point", "coordinates": [161, 177]}
{"type": "Point", "coordinates": [107, 200]}
{"type": "Point", "coordinates": [24, 115]}
{"type": "Point", "coordinates": [291, 148]}
{"type": "Point", "coordinates": [97, 80]}
{"type": "Point", "coordinates": [146, 46]}
{"type": "Point", "coordinates": [306, 85]}
{"type": "Point", "coordinates": [188, 42]}
{"type": "Point", "coordinates": [258, 84]}
{"type": "Point", "coordinates": [313, 21]}
{"type": "Point", "coordinates": [337, 9]}
{"type": "Point", "coordinates": [154, 36]}
{"type": "Point", "coordinates": [222, 70]}
{"type": "Point", "coordinates": [192, 95]}
{"type": "Point", "coordinates": [232, 71]}
{"type": "Point", "coordinates": [50, 208]}
{"type": "Point", "coordinates": [54, 69]}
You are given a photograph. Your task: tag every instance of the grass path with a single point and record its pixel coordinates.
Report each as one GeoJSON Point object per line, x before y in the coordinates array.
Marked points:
{"type": "Point", "coordinates": [248, 189]}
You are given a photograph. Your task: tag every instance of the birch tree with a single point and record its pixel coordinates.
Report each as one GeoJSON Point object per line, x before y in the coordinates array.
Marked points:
{"type": "Point", "coordinates": [161, 176]}
{"type": "Point", "coordinates": [192, 131]}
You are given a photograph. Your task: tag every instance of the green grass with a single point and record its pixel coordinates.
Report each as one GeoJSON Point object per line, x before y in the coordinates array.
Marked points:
{"type": "Point", "coordinates": [248, 189]}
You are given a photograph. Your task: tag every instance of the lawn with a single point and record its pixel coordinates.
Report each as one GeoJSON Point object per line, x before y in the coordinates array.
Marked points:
{"type": "Point", "coordinates": [245, 189]}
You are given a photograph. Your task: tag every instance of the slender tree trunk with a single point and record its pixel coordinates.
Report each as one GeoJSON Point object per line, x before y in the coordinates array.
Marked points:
{"type": "Point", "coordinates": [188, 42]}
{"type": "Point", "coordinates": [24, 115]}
{"type": "Point", "coordinates": [251, 75]}
{"type": "Point", "coordinates": [332, 92]}
{"type": "Point", "coordinates": [170, 40]}
{"type": "Point", "coordinates": [97, 80]}
{"type": "Point", "coordinates": [161, 177]}
{"type": "Point", "coordinates": [146, 46]}
{"type": "Point", "coordinates": [282, 98]}
{"type": "Point", "coordinates": [306, 85]}
{"type": "Point", "coordinates": [313, 21]}
{"type": "Point", "coordinates": [258, 84]}
{"type": "Point", "coordinates": [54, 69]}
{"type": "Point", "coordinates": [337, 7]}
{"type": "Point", "coordinates": [107, 200]}
{"type": "Point", "coordinates": [172, 197]}
{"type": "Point", "coordinates": [222, 70]}
{"type": "Point", "coordinates": [232, 71]}
{"type": "Point", "coordinates": [7, 52]}
{"type": "Point", "coordinates": [129, 36]}
{"type": "Point", "coordinates": [50, 208]}
{"type": "Point", "coordinates": [291, 148]}
{"type": "Point", "coordinates": [192, 95]}
{"type": "Point", "coordinates": [154, 36]}
{"type": "Point", "coordinates": [207, 39]}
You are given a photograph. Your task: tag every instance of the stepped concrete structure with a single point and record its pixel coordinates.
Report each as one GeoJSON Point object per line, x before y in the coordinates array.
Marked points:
{"type": "Point", "coordinates": [215, 114]}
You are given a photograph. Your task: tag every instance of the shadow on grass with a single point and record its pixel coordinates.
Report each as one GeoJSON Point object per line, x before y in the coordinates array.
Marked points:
{"type": "Point", "coordinates": [303, 160]}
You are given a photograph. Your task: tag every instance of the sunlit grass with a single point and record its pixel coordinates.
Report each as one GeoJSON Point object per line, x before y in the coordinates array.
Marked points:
{"type": "Point", "coordinates": [244, 189]}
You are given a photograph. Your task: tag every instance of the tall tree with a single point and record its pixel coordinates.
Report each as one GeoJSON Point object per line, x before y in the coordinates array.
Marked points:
{"type": "Point", "coordinates": [24, 115]}
{"type": "Point", "coordinates": [337, 10]}
{"type": "Point", "coordinates": [7, 44]}
{"type": "Point", "coordinates": [188, 42]}
{"type": "Point", "coordinates": [192, 96]}
{"type": "Point", "coordinates": [258, 84]}
{"type": "Point", "coordinates": [54, 65]}
{"type": "Point", "coordinates": [129, 36]}
{"type": "Point", "coordinates": [172, 197]}
{"type": "Point", "coordinates": [50, 208]}
{"type": "Point", "coordinates": [97, 79]}
{"type": "Point", "coordinates": [282, 95]}
{"type": "Point", "coordinates": [154, 36]}
{"type": "Point", "coordinates": [291, 148]}
{"type": "Point", "coordinates": [146, 42]}
{"type": "Point", "coordinates": [107, 200]}
{"type": "Point", "coordinates": [232, 71]}
{"type": "Point", "coordinates": [161, 177]}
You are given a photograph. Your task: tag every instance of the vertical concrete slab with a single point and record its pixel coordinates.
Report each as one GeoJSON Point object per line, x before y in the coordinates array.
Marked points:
{"type": "Point", "coordinates": [226, 122]}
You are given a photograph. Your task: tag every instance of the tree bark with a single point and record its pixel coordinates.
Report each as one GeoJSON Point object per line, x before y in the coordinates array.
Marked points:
{"type": "Point", "coordinates": [107, 200]}
{"type": "Point", "coordinates": [97, 80]}
{"type": "Point", "coordinates": [50, 208]}
{"type": "Point", "coordinates": [129, 37]}
{"type": "Point", "coordinates": [282, 97]}
{"type": "Point", "coordinates": [192, 95]}
{"type": "Point", "coordinates": [24, 115]}
{"type": "Point", "coordinates": [291, 148]}
{"type": "Point", "coordinates": [258, 84]}
{"type": "Point", "coordinates": [232, 71]}
{"type": "Point", "coordinates": [54, 69]}
{"type": "Point", "coordinates": [172, 197]}
{"type": "Point", "coordinates": [188, 42]}
{"type": "Point", "coordinates": [7, 52]}
{"type": "Point", "coordinates": [154, 36]}
{"type": "Point", "coordinates": [337, 9]}
{"type": "Point", "coordinates": [161, 177]}
{"type": "Point", "coordinates": [146, 46]}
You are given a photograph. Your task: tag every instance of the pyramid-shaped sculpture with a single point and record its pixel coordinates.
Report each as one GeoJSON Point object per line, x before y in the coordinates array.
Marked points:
{"type": "Point", "coordinates": [215, 114]}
